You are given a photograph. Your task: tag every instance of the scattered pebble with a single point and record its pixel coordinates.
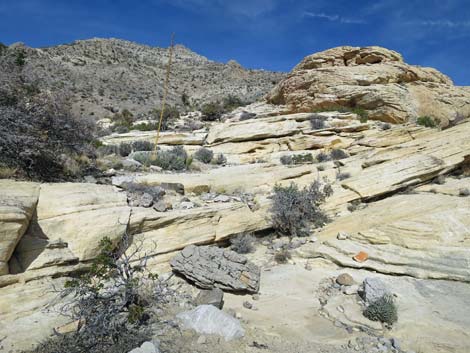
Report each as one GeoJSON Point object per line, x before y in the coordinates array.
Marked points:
{"type": "Point", "coordinates": [342, 236]}
{"type": "Point", "coordinates": [345, 279]}
{"type": "Point", "coordinates": [247, 305]}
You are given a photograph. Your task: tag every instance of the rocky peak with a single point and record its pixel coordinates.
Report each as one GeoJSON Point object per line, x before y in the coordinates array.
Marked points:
{"type": "Point", "coordinates": [349, 56]}
{"type": "Point", "coordinates": [372, 79]}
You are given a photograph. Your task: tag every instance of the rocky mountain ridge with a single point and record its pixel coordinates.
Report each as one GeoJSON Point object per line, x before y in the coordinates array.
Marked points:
{"type": "Point", "coordinates": [115, 74]}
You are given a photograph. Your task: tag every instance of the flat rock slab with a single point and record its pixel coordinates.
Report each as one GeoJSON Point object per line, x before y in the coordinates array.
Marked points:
{"type": "Point", "coordinates": [207, 319]}
{"type": "Point", "coordinates": [211, 267]}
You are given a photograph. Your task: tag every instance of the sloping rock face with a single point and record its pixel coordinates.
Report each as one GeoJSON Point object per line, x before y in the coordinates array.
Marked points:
{"type": "Point", "coordinates": [17, 205]}
{"type": "Point", "coordinates": [422, 235]}
{"type": "Point", "coordinates": [375, 79]}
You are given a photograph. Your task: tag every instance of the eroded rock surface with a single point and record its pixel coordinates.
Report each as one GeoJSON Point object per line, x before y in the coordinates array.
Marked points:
{"type": "Point", "coordinates": [211, 267]}
{"type": "Point", "coordinates": [375, 79]}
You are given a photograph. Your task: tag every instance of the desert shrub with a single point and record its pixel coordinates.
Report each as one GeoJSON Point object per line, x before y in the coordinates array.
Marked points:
{"type": "Point", "coordinates": [220, 159]}
{"type": "Point", "coordinates": [20, 58]}
{"type": "Point", "coordinates": [317, 122]}
{"type": "Point", "coordinates": [232, 102]}
{"type": "Point", "coordinates": [3, 48]}
{"type": "Point", "coordinates": [35, 137]}
{"type": "Point", "coordinates": [107, 150]}
{"type": "Point", "coordinates": [282, 256]}
{"type": "Point", "coordinates": [125, 149]}
{"type": "Point", "coordinates": [142, 146]}
{"type": "Point", "coordinates": [385, 126]}
{"type": "Point", "coordinates": [122, 121]}
{"type": "Point", "coordinates": [204, 155]}
{"type": "Point", "coordinates": [212, 111]}
{"type": "Point", "coordinates": [362, 113]}
{"type": "Point", "coordinates": [294, 211]}
{"type": "Point", "coordinates": [323, 157]}
{"type": "Point", "coordinates": [297, 159]}
{"type": "Point", "coordinates": [383, 310]}
{"type": "Point", "coordinates": [125, 341]}
{"type": "Point", "coordinates": [145, 127]}
{"type": "Point", "coordinates": [243, 243]}
{"type": "Point", "coordinates": [426, 121]}
{"type": "Point", "coordinates": [109, 302]}
{"type": "Point", "coordinates": [338, 154]}
{"type": "Point", "coordinates": [170, 114]}
{"type": "Point", "coordinates": [174, 159]}
{"type": "Point", "coordinates": [286, 160]}
{"type": "Point", "coordinates": [342, 176]}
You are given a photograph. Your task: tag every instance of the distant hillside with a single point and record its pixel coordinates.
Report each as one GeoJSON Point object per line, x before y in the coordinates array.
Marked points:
{"type": "Point", "coordinates": [110, 73]}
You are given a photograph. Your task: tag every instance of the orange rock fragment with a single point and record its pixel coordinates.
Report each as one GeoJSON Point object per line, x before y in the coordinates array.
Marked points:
{"type": "Point", "coordinates": [361, 256]}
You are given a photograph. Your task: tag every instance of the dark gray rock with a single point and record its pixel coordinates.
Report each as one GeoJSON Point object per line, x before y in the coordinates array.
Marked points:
{"type": "Point", "coordinates": [211, 267]}
{"type": "Point", "coordinates": [213, 297]}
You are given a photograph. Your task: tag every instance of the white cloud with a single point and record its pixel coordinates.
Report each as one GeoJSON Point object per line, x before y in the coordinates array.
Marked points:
{"type": "Point", "coordinates": [333, 18]}
{"type": "Point", "coordinates": [441, 23]}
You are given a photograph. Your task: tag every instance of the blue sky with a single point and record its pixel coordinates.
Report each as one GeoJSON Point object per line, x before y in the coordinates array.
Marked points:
{"type": "Point", "coordinates": [269, 34]}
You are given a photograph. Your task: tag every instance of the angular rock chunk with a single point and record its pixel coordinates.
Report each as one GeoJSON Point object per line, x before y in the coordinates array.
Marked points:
{"type": "Point", "coordinates": [373, 289]}
{"type": "Point", "coordinates": [211, 267]}
{"type": "Point", "coordinates": [207, 319]}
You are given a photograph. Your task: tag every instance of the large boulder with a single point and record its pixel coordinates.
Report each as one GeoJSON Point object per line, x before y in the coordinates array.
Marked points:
{"type": "Point", "coordinates": [212, 267]}
{"type": "Point", "coordinates": [375, 79]}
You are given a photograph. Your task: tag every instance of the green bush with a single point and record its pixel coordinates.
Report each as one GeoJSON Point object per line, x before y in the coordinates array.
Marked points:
{"type": "Point", "coordinates": [323, 157]}
{"type": "Point", "coordinates": [338, 154]}
{"type": "Point", "coordinates": [124, 149]}
{"type": "Point", "coordinates": [295, 211]}
{"type": "Point", "coordinates": [122, 121]}
{"type": "Point", "coordinates": [204, 155]}
{"type": "Point", "coordinates": [174, 159]}
{"type": "Point", "coordinates": [142, 146]}
{"type": "Point", "coordinates": [145, 127]}
{"type": "Point", "coordinates": [170, 114]}
{"type": "Point", "coordinates": [383, 310]}
{"type": "Point", "coordinates": [426, 121]}
{"type": "Point", "coordinates": [212, 111]}
{"type": "Point", "coordinates": [297, 159]}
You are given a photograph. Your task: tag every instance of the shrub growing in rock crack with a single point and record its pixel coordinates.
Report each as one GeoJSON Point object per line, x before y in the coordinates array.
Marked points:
{"type": "Point", "coordinates": [385, 126]}
{"type": "Point", "coordinates": [220, 159]}
{"type": "Point", "coordinates": [243, 243]}
{"type": "Point", "coordinates": [297, 159]}
{"type": "Point", "coordinates": [108, 301]}
{"type": "Point", "coordinates": [338, 154]}
{"type": "Point", "coordinates": [383, 310]}
{"type": "Point", "coordinates": [426, 121]}
{"type": "Point", "coordinates": [323, 157]}
{"type": "Point", "coordinates": [204, 155]}
{"type": "Point", "coordinates": [317, 122]}
{"type": "Point", "coordinates": [294, 211]}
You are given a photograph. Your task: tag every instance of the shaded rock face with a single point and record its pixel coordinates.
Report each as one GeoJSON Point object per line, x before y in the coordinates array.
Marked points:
{"type": "Point", "coordinates": [211, 267]}
{"type": "Point", "coordinates": [375, 79]}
